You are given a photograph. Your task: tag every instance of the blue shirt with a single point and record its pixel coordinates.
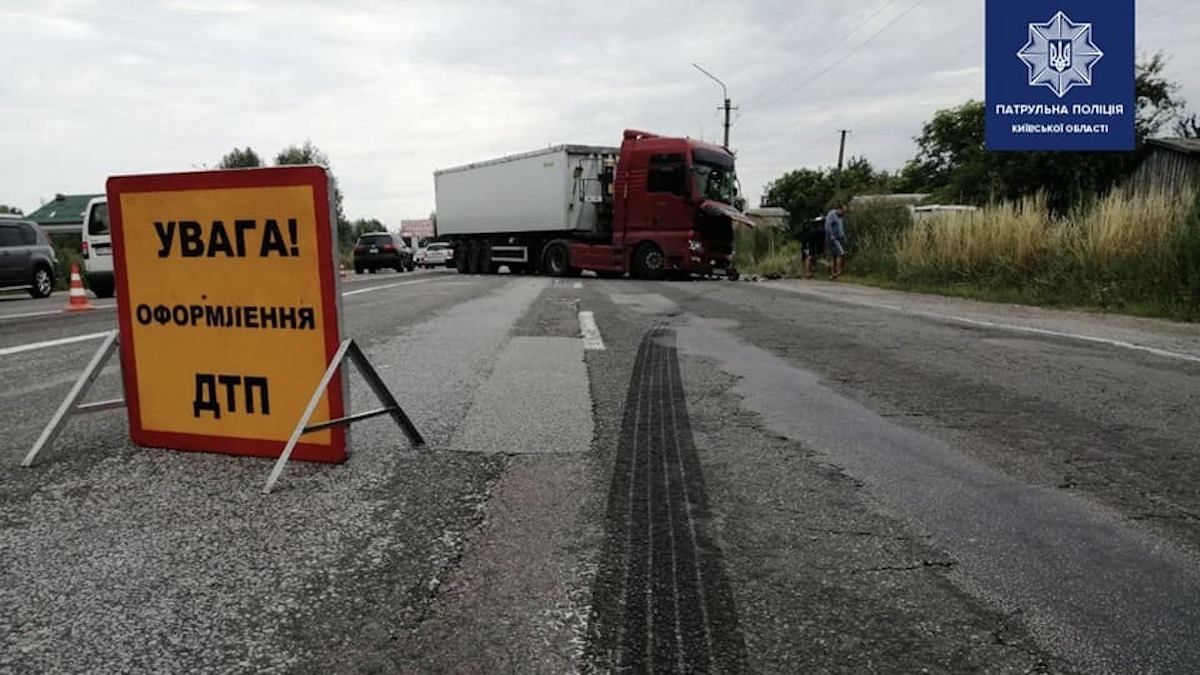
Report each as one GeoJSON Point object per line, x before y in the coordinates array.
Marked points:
{"type": "Point", "coordinates": [835, 228]}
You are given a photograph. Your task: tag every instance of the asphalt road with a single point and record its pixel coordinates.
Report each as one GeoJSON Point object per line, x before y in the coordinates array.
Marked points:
{"type": "Point", "coordinates": [632, 477]}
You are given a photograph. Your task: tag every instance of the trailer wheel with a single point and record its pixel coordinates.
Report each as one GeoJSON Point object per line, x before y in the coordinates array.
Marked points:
{"type": "Point", "coordinates": [486, 266]}
{"type": "Point", "coordinates": [556, 260]}
{"type": "Point", "coordinates": [648, 261]}
{"type": "Point", "coordinates": [462, 253]}
{"type": "Point", "coordinates": [471, 253]}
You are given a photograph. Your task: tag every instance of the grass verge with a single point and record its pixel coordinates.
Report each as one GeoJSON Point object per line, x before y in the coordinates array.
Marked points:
{"type": "Point", "coordinates": [1129, 253]}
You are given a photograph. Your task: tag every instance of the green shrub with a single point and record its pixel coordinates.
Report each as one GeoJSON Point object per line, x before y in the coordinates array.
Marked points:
{"type": "Point", "coordinates": [68, 246]}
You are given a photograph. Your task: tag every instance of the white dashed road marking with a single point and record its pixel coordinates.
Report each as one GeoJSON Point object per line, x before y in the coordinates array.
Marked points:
{"type": "Point", "coordinates": [592, 341]}
{"type": "Point", "coordinates": [346, 294]}
{"type": "Point", "coordinates": [7, 351]}
{"type": "Point", "coordinates": [48, 312]}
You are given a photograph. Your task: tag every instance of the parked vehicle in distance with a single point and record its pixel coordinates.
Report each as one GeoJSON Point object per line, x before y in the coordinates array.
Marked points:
{"type": "Point", "coordinates": [379, 250]}
{"type": "Point", "coordinates": [27, 258]}
{"type": "Point", "coordinates": [655, 207]}
{"type": "Point", "coordinates": [435, 254]}
{"type": "Point", "coordinates": [97, 249]}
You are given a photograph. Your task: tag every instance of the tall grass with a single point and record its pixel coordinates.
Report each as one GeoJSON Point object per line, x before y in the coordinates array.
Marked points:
{"type": "Point", "coordinates": [1006, 242]}
{"type": "Point", "coordinates": [1127, 251]}
{"type": "Point", "coordinates": [767, 252]}
{"type": "Point", "coordinates": [1124, 250]}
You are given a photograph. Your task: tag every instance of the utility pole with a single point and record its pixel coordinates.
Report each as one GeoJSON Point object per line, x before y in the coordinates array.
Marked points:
{"type": "Point", "coordinates": [724, 94]}
{"type": "Point", "coordinates": [841, 161]}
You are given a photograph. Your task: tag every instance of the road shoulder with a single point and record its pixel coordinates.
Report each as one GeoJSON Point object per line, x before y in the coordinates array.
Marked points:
{"type": "Point", "coordinates": [1167, 338]}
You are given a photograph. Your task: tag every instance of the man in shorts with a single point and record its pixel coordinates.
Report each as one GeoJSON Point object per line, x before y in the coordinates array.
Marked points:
{"type": "Point", "coordinates": [835, 240]}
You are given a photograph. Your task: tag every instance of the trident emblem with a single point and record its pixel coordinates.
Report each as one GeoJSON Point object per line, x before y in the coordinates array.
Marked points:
{"type": "Point", "coordinates": [1060, 55]}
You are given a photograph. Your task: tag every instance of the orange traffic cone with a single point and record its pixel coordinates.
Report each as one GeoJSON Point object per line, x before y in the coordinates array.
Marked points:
{"type": "Point", "coordinates": [78, 299]}
{"type": "Point", "coordinates": [342, 270]}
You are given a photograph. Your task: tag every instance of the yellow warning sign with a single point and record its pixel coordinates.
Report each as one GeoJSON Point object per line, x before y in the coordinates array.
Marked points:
{"type": "Point", "coordinates": [228, 306]}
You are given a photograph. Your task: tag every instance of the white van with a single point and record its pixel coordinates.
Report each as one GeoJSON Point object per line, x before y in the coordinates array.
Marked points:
{"type": "Point", "coordinates": [97, 249]}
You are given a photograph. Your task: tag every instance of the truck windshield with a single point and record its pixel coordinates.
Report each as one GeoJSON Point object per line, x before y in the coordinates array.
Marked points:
{"type": "Point", "coordinates": [715, 181]}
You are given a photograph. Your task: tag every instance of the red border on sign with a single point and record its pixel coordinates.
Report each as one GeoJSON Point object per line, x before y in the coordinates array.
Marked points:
{"type": "Point", "coordinates": [312, 176]}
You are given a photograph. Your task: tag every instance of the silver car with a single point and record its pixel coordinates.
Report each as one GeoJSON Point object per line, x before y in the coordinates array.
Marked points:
{"type": "Point", "coordinates": [27, 258]}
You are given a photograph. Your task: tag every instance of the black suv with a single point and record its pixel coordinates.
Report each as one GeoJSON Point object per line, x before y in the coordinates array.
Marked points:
{"type": "Point", "coordinates": [27, 259]}
{"type": "Point", "coordinates": [377, 250]}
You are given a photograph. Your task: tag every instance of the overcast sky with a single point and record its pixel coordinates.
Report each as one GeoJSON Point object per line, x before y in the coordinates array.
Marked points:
{"type": "Point", "coordinates": [393, 90]}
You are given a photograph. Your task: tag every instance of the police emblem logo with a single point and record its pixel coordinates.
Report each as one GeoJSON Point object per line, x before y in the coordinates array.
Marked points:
{"type": "Point", "coordinates": [1060, 54]}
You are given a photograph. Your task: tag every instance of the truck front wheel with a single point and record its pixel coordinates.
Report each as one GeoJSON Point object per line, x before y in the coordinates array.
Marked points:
{"type": "Point", "coordinates": [556, 260]}
{"type": "Point", "coordinates": [648, 261]}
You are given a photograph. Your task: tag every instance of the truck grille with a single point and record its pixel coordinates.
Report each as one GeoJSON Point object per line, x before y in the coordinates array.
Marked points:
{"type": "Point", "coordinates": [720, 248]}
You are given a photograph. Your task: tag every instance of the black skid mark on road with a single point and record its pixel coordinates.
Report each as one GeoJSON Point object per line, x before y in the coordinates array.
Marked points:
{"type": "Point", "coordinates": [661, 600]}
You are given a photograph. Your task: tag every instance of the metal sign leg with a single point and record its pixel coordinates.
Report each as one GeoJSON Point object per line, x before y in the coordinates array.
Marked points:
{"type": "Point", "coordinates": [347, 350]}
{"type": "Point", "coordinates": [68, 406]}
{"type": "Point", "coordinates": [312, 406]}
{"type": "Point", "coordinates": [384, 394]}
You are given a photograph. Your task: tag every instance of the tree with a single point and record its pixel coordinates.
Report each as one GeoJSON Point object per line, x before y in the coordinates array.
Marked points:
{"type": "Point", "coordinates": [1188, 126]}
{"type": "Point", "coordinates": [807, 193]}
{"type": "Point", "coordinates": [302, 154]}
{"type": "Point", "coordinates": [953, 164]}
{"type": "Point", "coordinates": [4, 208]}
{"type": "Point", "coordinates": [241, 159]}
{"type": "Point", "coordinates": [307, 153]}
{"type": "Point", "coordinates": [364, 225]}
{"type": "Point", "coordinates": [1158, 99]}
{"type": "Point", "coordinates": [357, 228]}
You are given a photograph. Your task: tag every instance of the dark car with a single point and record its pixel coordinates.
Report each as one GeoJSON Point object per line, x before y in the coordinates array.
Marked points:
{"type": "Point", "coordinates": [27, 260]}
{"type": "Point", "coordinates": [378, 250]}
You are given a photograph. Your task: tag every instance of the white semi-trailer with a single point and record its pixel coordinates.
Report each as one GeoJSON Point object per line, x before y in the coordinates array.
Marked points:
{"type": "Point", "coordinates": [654, 206]}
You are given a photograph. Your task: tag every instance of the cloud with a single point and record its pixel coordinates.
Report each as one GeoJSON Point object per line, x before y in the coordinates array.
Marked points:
{"type": "Point", "coordinates": [392, 91]}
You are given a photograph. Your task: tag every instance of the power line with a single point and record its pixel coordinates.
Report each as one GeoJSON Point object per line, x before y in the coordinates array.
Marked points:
{"type": "Point", "coordinates": [849, 36]}
{"type": "Point", "coordinates": [846, 57]}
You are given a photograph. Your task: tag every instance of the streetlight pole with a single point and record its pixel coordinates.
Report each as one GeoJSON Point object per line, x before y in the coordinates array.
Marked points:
{"type": "Point", "coordinates": [724, 94]}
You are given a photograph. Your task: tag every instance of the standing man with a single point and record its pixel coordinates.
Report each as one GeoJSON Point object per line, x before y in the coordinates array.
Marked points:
{"type": "Point", "coordinates": [835, 240]}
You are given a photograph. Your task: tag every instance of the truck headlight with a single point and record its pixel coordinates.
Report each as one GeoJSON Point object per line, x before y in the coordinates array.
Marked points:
{"type": "Point", "coordinates": [695, 246]}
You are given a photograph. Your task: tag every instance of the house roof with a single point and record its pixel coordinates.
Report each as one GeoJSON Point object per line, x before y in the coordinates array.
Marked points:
{"type": "Point", "coordinates": [1188, 146]}
{"type": "Point", "coordinates": [768, 212]}
{"type": "Point", "coordinates": [62, 210]}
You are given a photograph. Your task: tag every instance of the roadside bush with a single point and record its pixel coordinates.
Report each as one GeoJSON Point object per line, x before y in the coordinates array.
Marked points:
{"type": "Point", "coordinates": [878, 219]}
{"type": "Point", "coordinates": [872, 230]}
{"type": "Point", "coordinates": [765, 251]}
{"type": "Point", "coordinates": [69, 249]}
{"type": "Point", "coordinates": [783, 262]}
{"type": "Point", "coordinates": [1187, 263]}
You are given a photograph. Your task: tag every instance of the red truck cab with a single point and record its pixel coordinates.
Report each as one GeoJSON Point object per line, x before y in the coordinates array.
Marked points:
{"type": "Point", "coordinates": [672, 210]}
